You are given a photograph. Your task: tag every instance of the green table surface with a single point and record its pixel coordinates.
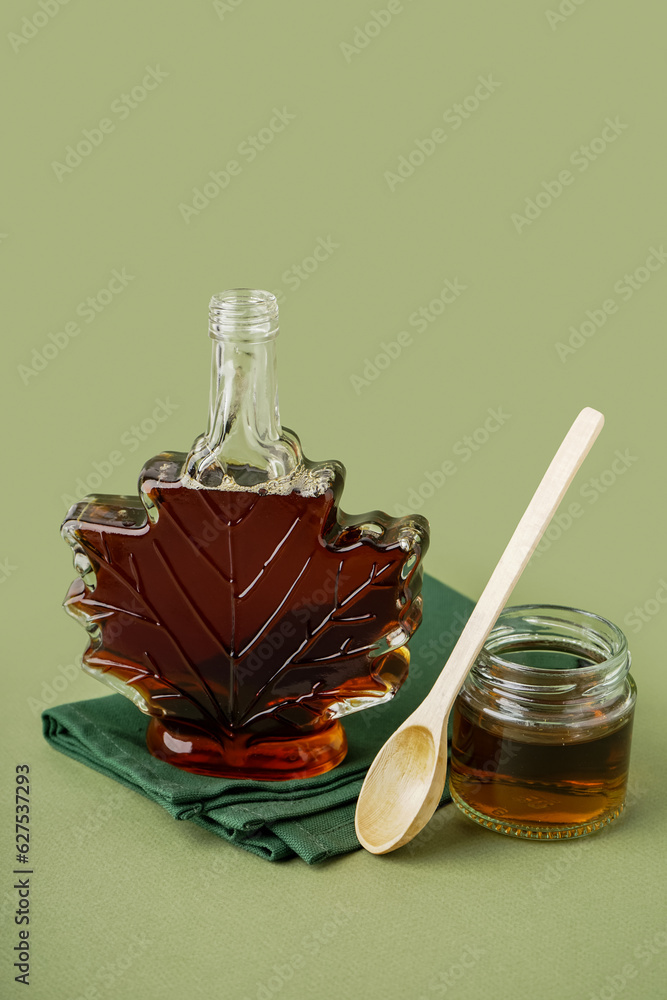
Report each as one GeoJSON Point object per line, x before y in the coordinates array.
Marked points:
{"type": "Point", "coordinates": [461, 208]}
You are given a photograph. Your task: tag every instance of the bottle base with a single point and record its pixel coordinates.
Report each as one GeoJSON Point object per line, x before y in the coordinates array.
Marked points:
{"type": "Point", "coordinates": [247, 756]}
{"type": "Point", "coordinates": [536, 831]}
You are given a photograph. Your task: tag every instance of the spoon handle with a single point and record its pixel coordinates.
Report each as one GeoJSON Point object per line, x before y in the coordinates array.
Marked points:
{"type": "Point", "coordinates": [564, 465]}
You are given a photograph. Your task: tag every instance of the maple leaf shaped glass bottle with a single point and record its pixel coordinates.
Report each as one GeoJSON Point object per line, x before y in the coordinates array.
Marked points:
{"type": "Point", "coordinates": [232, 600]}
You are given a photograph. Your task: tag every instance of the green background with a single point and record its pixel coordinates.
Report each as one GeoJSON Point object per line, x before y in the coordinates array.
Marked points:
{"type": "Point", "coordinates": [547, 920]}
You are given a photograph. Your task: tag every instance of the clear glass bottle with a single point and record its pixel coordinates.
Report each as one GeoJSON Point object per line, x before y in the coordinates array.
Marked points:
{"type": "Point", "coordinates": [543, 724]}
{"type": "Point", "coordinates": [232, 600]}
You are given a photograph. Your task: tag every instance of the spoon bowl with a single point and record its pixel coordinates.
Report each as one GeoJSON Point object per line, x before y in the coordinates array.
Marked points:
{"type": "Point", "coordinates": [403, 788]}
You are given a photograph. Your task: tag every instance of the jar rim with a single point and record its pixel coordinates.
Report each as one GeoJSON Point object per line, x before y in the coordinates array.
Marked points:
{"type": "Point", "coordinates": [559, 628]}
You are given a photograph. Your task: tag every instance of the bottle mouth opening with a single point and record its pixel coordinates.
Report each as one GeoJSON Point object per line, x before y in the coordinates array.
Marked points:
{"type": "Point", "coordinates": [249, 315]}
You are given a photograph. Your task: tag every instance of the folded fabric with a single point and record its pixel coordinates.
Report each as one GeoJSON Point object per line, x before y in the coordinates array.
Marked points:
{"type": "Point", "coordinates": [309, 817]}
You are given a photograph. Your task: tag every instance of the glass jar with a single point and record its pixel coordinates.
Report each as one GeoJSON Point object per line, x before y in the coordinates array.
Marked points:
{"type": "Point", "coordinates": [542, 725]}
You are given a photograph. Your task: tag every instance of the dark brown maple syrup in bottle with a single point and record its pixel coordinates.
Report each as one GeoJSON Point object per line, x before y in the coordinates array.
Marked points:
{"type": "Point", "coordinates": [543, 725]}
{"type": "Point", "coordinates": [231, 599]}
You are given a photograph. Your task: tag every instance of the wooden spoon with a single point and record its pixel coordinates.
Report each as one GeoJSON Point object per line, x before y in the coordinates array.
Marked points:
{"type": "Point", "coordinates": [405, 781]}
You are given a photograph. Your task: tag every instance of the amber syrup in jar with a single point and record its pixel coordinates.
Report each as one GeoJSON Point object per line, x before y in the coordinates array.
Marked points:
{"type": "Point", "coordinates": [543, 725]}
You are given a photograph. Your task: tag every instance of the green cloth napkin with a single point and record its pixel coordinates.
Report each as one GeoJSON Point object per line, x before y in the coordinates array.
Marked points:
{"type": "Point", "coordinates": [309, 817]}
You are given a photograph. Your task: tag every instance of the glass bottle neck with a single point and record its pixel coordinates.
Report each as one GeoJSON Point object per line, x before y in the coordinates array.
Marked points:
{"type": "Point", "coordinates": [244, 444]}
{"type": "Point", "coordinates": [244, 420]}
